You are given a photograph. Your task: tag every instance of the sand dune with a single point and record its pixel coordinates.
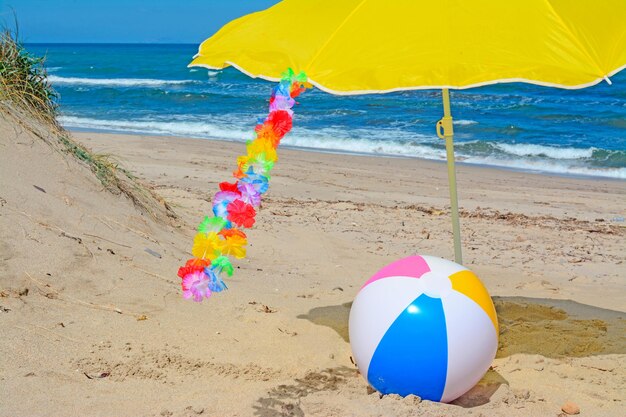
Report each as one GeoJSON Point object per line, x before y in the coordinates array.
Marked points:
{"type": "Point", "coordinates": [93, 322]}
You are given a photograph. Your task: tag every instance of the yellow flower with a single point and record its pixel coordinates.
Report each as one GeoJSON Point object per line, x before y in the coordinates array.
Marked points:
{"type": "Point", "coordinates": [262, 147]}
{"type": "Point", "coordinates": [243, 162]}
{"type": "Point", "coordinates": [207, 246]}
{"type": "Point", "coordinates": [233, 245]}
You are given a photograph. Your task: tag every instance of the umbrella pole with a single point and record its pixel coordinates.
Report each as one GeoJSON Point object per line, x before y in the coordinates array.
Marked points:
{"type": "Point", "coordinates": [446, 132]}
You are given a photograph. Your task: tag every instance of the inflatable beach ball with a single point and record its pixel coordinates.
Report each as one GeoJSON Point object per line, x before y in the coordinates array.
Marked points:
{"type": "Point", "coordinates": [424, 326]}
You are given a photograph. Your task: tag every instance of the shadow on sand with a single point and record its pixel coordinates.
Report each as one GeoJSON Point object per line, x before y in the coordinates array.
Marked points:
{"type": "Point", "coordinates": [547, 327]}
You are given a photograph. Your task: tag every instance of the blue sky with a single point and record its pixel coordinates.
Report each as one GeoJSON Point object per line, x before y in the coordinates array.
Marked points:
{"type": "Point", "coordinates": [163, 21]}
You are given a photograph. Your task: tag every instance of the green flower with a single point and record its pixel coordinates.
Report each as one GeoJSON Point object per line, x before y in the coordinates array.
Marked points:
{"type": "Point", "coordinates": [222, 264]}
{"type": "Point", "coordinates": [211, 224]}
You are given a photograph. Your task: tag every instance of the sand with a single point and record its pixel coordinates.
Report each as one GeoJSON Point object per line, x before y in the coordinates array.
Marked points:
{"type": "Point", "coordinates": [93, 322]}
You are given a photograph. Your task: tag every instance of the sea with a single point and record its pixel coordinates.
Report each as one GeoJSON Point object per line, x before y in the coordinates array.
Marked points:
{"type": "Point", "coordinates": [147, 89]}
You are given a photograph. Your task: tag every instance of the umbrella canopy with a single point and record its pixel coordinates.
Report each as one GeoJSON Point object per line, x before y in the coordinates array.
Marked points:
{"type": "Point", "coordinates": [374, 46]}
{"type": "Point", "coordinates": [378, 46]}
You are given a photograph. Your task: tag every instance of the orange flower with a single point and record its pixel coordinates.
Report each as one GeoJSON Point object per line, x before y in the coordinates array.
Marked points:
{"type": "Point", "coordinates": [226, 233]}
{"type": "Point", "coordinates": [266, 132]}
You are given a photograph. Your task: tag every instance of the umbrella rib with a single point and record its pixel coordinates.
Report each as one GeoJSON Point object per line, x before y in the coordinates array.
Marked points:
{"type": "Point", "coordinates": [332, 35]}
{"type": "Point", "coordinates": [574, 38]}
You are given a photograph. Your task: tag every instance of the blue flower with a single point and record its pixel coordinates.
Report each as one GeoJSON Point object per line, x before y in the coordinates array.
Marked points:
{"type": "Point", "coordinates": [215, 283]}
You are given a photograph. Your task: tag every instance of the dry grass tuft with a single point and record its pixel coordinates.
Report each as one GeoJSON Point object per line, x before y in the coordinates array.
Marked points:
{"type": "Point", "coordinates": [24, 80]}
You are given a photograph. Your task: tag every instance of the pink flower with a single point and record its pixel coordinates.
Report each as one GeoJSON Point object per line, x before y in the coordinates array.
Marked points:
{"type": "Point", "coordinates": [225, 196]}
{"type": "Point", "coordinates": [196, 285]}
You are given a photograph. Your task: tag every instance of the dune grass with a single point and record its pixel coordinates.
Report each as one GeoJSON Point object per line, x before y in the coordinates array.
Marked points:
{"type": "Point", "coordinates": [25, 90]}
{"type": "Point", "coordinates": [24, 80]}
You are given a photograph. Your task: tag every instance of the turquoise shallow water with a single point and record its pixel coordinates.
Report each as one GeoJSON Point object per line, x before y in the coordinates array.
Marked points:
{"type": "Point", "coordinates": [148, 89]}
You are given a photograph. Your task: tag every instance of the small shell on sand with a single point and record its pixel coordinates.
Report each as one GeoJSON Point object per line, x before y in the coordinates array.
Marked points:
{"type": "Point", "coordinates": [570, 408]}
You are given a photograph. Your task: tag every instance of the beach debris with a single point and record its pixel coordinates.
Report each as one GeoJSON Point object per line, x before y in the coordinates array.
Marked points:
{"type": "Point", "coordinates": [235, 205]}
{"type": "Point", "coordinates": [98, 376]}
{"type": "Point", "coordinates": [22, 292]}
{"type": "Point", "coordinates": [288, 332]}
{"type": "Point", "coordinates": [142, 317]}
{"type": "Point", "coordinates": [4, 309]}
{"type": "Point", "coordinates": [76, 238]}
{"type": "Point", "coordinates": [195, 410]}
{"type": "Point", "coordinates": [153, 253]}
{"type": "Point", "coordinates": [267, 309]}
{"type": "Point", "coordinates": [570, 408]}
{"type": "Point", "coordinates": [39, 188]}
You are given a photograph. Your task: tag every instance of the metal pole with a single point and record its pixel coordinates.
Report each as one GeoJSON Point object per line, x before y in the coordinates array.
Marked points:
{"type": "Point", "coordinates": [446, 132]}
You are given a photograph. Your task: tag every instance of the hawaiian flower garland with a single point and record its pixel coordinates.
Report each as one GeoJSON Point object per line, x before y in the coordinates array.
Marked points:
{"type": "Point", "coordinates": [234, 206]}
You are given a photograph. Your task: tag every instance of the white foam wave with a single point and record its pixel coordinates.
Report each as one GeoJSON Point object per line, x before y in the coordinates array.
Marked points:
{"type": "Point", "coordinates": [464, 122]}
{"type": "Point", "coordinates": [329, 140]}
{"type": "Point", "coordinates": [548, 151]}
{"type": "Point", "coordinates": [120, 82]}
{"type": "Point", "coordinates": [388, 143]}
{"type": "Point", "coordinates": [423, 150]}
{"type": "Point", "coordinates": [548, 167]}
{"type": "Point", "coordinates": [199, 129]}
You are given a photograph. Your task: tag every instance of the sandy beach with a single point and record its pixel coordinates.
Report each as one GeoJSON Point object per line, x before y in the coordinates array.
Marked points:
{"type": "Point", "coordinates": [93, 322]}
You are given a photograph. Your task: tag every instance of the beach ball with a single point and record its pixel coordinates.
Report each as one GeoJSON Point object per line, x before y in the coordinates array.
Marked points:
{"type": "Point", "coordinates": [424, 326]}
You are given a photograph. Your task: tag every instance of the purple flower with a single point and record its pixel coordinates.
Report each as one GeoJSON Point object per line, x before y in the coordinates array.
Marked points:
{"type": "Point", "coordinates": [282, 103]}
{"type": "Point", "coordinates": [249, 194]}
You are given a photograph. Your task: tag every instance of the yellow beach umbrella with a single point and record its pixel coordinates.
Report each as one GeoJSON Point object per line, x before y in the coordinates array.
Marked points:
{"type": "Point", "coordinates": [375, 46]}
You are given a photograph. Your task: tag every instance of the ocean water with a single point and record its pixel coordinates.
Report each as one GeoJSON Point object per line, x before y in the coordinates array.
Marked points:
{"type": "Point", "coordinates": [148, 89]}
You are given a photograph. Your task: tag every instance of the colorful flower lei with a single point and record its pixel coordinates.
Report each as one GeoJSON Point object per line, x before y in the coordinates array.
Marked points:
{"type": "Point", "coordinates": [235, 205]}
